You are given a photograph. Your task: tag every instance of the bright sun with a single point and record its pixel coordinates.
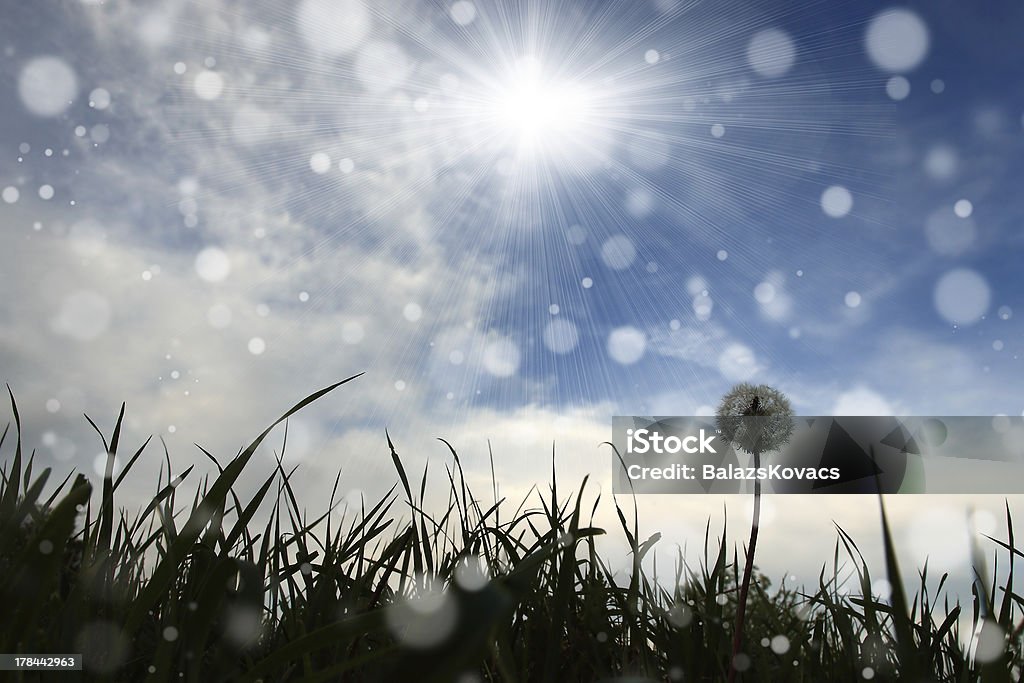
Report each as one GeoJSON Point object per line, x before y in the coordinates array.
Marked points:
{"type": "Point", "coordinates": [540, 110]}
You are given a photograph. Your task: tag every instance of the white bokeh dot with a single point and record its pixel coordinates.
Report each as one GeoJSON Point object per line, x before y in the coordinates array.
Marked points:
{"type": "Point", "coordinates": [764, 292]}
{"type": "Point", "coordinates": [575, 235]}
{"type": "Point", "coordinates": [47, 86]}
{"type": "Point", "coordinates": [561, 336]}
{"type": "Point", "coordinates": [412, 312]}
{"type": "Point", "coordinates": [618, 252]}
{"type": "Point", "coordinates": [320, 163]}
{"type": "Point", "coordinates": [962, 296]}
{"type": "Point", "coordinates": [154, 28]}
{"type": "Point", "coordinates": [771, 53]}
{"type": "Point", "coordinates": [780, 644]}
{"type": "Point", "coordinates": [99, 98]}
{"type": "Point", "coordinates": [836, 201]}
{"type": "Point", "coordinates": [963, 208]}
{"type": "Point", "coordinates": [702, 306]}
{"type": "Point", "coordinates": [472, 575]}
{"type": "Point", "coordinates": [696, 284]}
{"type": "Point", "coordinates": [213, 265]}
{"type": "Point", "coordinates": [423, 621]}
{"type": "Point", "coordinates": [626, 345]}
{"type": "Point", "coordinates": [257, 346]}
{"type": "Point", "coordinates": [99, 465]}
{"type": "Point", "coordinates": [897, 88]}
{"type": "Point", "coordinates": [941, 162]}
{"type": "Point", "coordinates": [208, 85]}
{"type": "Point", "coordinates": [501, 358]}
{"type": "Point", "coordinates": [896, 40]}
{"type": "Point", "coordinates": [989, 642]}
{"type": "Point", "coordinates": [852, 299]}
{"type": "Point", "coordinates": [463, 12]}
{"type": "Point", "coordinates": [640, 202]}
{"type": "Point", "coordinates": [652, 56]}
{"type": "Point", "coordinates": [99, 133]}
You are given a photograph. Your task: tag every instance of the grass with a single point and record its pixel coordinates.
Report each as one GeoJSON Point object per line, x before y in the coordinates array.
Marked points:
{"type": "Point", "coordinates": [211, 589]}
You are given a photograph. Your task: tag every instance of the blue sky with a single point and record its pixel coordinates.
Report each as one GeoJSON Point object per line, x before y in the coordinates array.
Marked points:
{"type": "Point", "coordinates": [518, 218]}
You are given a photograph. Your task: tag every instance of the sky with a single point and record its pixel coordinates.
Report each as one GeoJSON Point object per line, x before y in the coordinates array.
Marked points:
{"type": "Point", "coordinates": [518, 219]}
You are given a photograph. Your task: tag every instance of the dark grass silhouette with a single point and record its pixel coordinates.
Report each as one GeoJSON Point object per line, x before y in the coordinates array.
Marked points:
{"type": "Point", "coordinates": [198, 591]}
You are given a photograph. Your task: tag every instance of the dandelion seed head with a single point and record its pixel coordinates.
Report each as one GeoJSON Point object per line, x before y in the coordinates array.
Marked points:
{"type": "Point", "coordinates": [755, 417]}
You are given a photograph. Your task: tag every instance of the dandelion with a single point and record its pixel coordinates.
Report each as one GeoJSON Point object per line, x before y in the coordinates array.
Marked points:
{"type": "Point", "coordinates": [756, 419]}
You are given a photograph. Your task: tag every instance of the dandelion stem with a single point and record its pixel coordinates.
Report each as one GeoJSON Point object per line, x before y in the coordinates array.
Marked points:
{"type": "Point", "coordinates": [748, 568]}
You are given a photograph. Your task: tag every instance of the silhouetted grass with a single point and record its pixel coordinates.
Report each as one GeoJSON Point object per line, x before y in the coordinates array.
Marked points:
{"type": "Point", "coordinates": [199, 591]}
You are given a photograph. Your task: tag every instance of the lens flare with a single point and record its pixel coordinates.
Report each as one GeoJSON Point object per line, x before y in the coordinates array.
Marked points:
{"type": "Point", "coordinates": [539, 110]}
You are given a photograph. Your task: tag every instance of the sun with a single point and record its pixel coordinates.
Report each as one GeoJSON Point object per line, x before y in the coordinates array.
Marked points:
{"type": "Point", "coordinates": [538, 110]}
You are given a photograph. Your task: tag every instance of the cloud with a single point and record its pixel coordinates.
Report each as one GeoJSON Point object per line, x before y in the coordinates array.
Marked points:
{"type": "Point", "coordinates": [862, 400]}
{"type": "Point", "coordinates": [694, 343]}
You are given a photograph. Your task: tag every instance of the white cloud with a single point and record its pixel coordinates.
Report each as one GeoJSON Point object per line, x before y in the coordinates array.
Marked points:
{"type": "Point", "coordinates": [862, 400]}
